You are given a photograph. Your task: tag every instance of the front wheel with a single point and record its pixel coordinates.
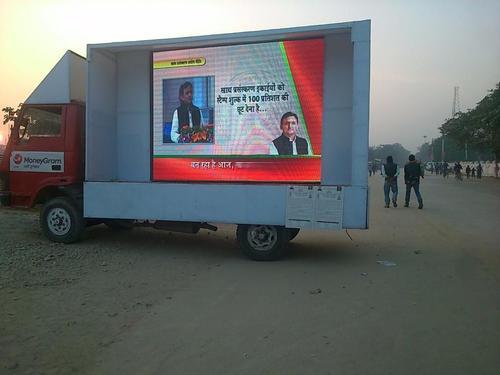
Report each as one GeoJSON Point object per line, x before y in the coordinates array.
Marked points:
{"type": "Point", "coordinates": [61, 221]}
{"type": "Point", "coordinates": [262, 242]}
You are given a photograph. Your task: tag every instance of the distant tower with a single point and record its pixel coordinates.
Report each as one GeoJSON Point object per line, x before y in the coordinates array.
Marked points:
{"type": "Point", "coordinates": [456, 101]}
{"type": "Point", "coordinates": [455, 109]}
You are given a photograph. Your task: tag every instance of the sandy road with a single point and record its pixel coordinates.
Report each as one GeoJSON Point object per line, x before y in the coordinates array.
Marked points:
{"type": "Point", "coordinates": [150, 302]}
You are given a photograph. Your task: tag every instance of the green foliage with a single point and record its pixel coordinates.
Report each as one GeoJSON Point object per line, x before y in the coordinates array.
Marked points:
{"type": "Point", "coordinates": [424, 153]}
{"type": "Point", "coordinates": [454, 150]}
{"type": "Point", "coordinates": [396, 150]}
{"type": "Point", "coordinates": [478, 127]}
{"type": "Point", "coordinates": [10, 114]}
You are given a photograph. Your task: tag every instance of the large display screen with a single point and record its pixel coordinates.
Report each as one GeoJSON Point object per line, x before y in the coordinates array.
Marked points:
{"type": "Point", "coordinates": [240, 113]}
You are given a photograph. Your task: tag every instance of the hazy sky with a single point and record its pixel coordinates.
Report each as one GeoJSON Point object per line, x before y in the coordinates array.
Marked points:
{"type": "Point", "coordinates": [420, 49]}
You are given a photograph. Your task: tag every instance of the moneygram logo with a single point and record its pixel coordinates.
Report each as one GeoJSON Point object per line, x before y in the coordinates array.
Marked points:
{"type": "Point", "coordinates": [18, 159]}
{"type": "Point", "coordinates": [37, 161]}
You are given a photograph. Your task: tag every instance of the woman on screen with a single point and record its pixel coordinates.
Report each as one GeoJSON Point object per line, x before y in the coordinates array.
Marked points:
{"type": "Point", "coordinates": [187, 116]}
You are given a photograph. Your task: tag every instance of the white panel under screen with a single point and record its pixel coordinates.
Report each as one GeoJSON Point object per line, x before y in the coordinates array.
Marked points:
{"type": "Point", "coordinates": [228, 203]}
{"type": "Point", "coordinates": [314, 207]}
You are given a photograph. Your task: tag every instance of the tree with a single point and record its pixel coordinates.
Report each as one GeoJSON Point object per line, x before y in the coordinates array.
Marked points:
{"type": "Point", "coordinates": [10, 115]}
{"type": "Point", "coordinates": [396, 150]}
{"type": "Point", "coordinates": [424, 153]}
{"type": "Point", "coordinates": [478, 127]}
{"type": "Point", "coordinates": [454, 150]}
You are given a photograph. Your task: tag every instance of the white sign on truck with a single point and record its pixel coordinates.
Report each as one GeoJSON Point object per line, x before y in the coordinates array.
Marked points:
{"type": "Point", "coordinates": [32, 161]}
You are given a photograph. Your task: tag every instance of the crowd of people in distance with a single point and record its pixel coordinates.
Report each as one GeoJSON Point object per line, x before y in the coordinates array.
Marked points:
{"type": "Point", "coordinates": [472, 169]}
{"type": "Point", "coordinates": [414, 171]}
{"type": "Point", "coordinates": [372, 168]}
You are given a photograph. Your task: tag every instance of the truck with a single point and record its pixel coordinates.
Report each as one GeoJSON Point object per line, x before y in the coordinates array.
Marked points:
{"type": "Point", "coordinates": [267, 130]}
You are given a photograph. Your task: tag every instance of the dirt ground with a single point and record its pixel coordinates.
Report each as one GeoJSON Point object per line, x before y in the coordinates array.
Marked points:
{"type": "Point", "coordinates": [417, 293]}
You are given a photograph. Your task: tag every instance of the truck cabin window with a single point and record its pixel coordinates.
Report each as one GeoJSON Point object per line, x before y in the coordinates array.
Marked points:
{"type": "Point", "coordinates": [40, 122]}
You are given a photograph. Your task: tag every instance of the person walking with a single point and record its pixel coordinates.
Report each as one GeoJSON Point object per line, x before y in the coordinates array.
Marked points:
{"type": "Point", "coordinates": [479, 170]}
{"type": "Point", "coordinates": [467, 171]}
{"type": "Point", "coordinates": [458, 171]}
{"type": "Point", "coordinates": [390, 172]}
{"type": "Point", "coordinates": [445, 169]}
{"type": "Point", "coordinates": [438, 168]}
{"type": "Point", "coordinates": [413, 172]}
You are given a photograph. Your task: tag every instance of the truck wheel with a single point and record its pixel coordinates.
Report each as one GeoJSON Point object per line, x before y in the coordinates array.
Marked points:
{"type": "Point", "coordinates": [292, 233]}
{"type": "Point", "coordinates": [262, 242]}
{"type": "Point", "coordinates": [61, 221]}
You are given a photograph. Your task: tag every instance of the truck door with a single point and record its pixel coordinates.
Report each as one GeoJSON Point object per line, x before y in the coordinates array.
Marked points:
{"type": "Point", "coordinates": [37, 157]}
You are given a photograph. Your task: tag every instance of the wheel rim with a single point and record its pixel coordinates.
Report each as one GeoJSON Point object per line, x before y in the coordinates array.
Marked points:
{"type": "Point", "coordinates": [262, 237]}
{"type": "Point", "coordinates": [59, 221]}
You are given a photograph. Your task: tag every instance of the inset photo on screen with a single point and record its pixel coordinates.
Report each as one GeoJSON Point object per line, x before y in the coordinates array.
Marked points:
{"type": "Point", "coordinates": [188, 110]}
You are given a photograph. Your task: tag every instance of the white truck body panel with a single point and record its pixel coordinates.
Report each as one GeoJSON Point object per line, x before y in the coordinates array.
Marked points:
{"type": "Point", "coordinates": [226, 203]}
{"type": "Point", "coordinates": [118, 134]}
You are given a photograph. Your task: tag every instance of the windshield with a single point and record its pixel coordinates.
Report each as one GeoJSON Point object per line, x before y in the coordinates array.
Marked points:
{"type": "Point", "coordinates": [40, 122]}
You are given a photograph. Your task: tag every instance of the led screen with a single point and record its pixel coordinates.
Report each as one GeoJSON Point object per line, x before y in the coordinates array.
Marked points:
{"type": "Point", "coordinates": [249, 113]}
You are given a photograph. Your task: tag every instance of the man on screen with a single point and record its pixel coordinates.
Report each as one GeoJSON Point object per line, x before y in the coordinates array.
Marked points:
{"type": "Point", "coordinates": [288, 143]}
{"type": "Point", "coordinates": [186, 117]}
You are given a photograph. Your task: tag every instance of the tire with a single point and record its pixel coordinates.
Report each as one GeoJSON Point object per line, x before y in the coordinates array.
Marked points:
{"type": "Point", "coordinates": [262, 242]}
{"type": "Point", "coordinates": [292, 233]}
{"type": "Point", "coordinates": [61, 220]}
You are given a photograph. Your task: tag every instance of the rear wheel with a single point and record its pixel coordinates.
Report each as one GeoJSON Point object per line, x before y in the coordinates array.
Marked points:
{"type": "Point", "coordinates": [262, 242]}
{"type": "Point", "coordinates": [61, 220]}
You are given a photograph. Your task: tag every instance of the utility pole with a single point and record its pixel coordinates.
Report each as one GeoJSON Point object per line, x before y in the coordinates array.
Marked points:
{"type": "Point", "coordinates": [456, 101]}
{"type": "Point", "coordinates": [442, 148]}
{"type": "Point", "coordinates": [455, 110]}
{"type": "Point", "coordinates": [432, 150]}
{"type": "Point", "coordinates": [423, 148]}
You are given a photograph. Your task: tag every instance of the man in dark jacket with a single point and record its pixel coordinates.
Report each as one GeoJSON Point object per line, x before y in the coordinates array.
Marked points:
{"type": "Point", "coordinates": [390, 171]}
{"type": "Point", "coordinates": [413, 172]}
{"type": "Point", "coordinates": [479, 170]}
{"type": "Point", "coordinates": [289, 143]}
{"type": "Point", "coordinates": [187, 115]}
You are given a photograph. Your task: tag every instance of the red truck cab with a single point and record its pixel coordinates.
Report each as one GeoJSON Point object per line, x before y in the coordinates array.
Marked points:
{"type": "Point", "coordinates": [43, 163]}
{"type": "Point", "coordinates": [44, 154]}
